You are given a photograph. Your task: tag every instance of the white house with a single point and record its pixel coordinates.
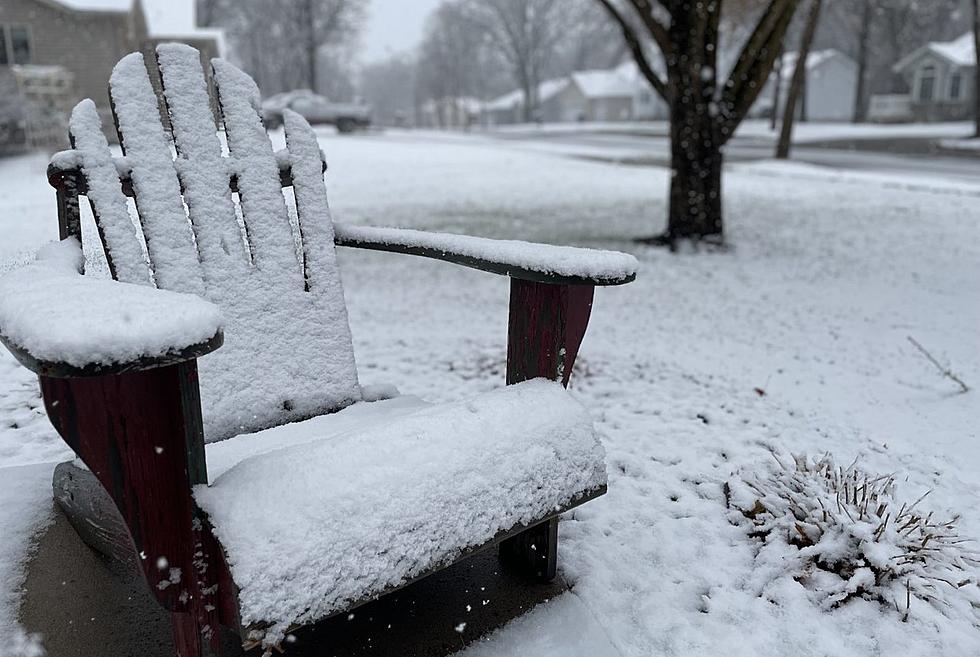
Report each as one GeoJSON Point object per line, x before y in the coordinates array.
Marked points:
{"type": "Point", "coordinates": [831, 82]}
{"type": "Point", "coordinates": [940, 77]}
{"type": "Point", "coordinates": [597, 95]}
{"type": "Point", "coordinates": [509, 108]}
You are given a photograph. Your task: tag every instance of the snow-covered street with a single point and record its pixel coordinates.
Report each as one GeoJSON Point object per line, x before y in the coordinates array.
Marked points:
{"type": "Point", "coordinates": [796, 340]}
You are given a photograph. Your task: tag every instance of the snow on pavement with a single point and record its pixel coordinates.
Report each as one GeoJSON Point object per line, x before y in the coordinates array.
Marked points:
{"type": "Point", "coordinates": [813, 305]}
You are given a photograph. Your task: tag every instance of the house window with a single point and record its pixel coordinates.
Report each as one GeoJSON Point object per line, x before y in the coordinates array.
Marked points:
{"type": "Point", "coordinates": [927, 83]}
{"type": "Point", "coordinates": [15, 45]}
{"type": "Point", "coordinates": [955, 82]}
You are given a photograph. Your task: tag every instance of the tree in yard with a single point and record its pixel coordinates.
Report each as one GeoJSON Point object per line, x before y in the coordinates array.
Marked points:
{"type": "Point", "coordinates": [703, 113]}
{"type": "Point", "coordinates": [525, 32]}
{"type": "Point", "coordinates": [797, 84]}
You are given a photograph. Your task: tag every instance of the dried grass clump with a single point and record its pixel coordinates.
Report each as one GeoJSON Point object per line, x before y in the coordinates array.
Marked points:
{"type": "Point", "coordinates": [842, 533]}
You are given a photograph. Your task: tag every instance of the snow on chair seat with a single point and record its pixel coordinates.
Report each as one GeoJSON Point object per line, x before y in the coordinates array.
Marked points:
{"type": "Point", "coordinates": [312, 529]}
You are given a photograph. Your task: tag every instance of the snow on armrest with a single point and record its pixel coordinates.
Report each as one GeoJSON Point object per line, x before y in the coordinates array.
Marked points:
{"type": "Point", "coordinates": [58, 322]}
{"type": "Point", "coordinates": [544, 263]}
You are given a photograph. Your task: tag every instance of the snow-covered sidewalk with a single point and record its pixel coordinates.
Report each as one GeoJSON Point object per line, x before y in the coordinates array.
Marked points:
{"type": "Point", "coordinates": [793, 341]}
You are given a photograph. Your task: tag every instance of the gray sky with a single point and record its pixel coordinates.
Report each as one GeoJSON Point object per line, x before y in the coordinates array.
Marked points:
{"type": "Point", "coordinates": [394, 26]}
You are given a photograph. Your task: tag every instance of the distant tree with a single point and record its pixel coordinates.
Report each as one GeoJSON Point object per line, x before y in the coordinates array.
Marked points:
{"type": "Point", "coordinates": [453, 55]}
{"type": "Point", "coordinates": [281, 43]}
{"type": "Point", "coordinates": [591, 41]}
{"type": "Point", "coordinates": [389, 86]}
{"type": "Point", "coordinates": [525, 33]}
{"type": "Point", "coordinates": [864, 39]}
{"type": "Point", "coordinates": [703, 113]}
{"type": "Point", "coordinates": [797, 83]}
{"type": "Point", "coordinates": [325, 23]}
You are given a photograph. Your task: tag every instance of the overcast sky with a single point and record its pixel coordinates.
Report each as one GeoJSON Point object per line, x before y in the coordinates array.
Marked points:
{"type": "Point", "coordinates": [394, 26]}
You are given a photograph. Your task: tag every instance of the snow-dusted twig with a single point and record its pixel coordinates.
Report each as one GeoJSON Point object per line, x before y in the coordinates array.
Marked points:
{"type": "Point", "coordinates": [945, 371]}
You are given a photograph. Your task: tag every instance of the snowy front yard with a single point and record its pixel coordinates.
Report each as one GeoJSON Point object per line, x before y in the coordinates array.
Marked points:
{"type": "Point", "coordinates": [794, 341]}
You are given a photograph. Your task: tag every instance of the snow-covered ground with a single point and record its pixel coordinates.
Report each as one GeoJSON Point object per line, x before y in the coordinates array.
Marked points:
{"type": "Point", "coordinates": [795, 340]}
{"type": "Point", "coordinates": [803, 132]}
{"type": "Point", "coordinates": [970, 144]}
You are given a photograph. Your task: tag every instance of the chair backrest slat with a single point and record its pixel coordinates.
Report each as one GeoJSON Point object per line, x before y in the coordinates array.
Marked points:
{"type": "Point", "coordinates": [116, 228]}
{"type": "Point", "coordinates": [203, 171]}
{"type": "Point", "coordinates": [267, 220]}
{"type": "Point", "coordinates": [316, 226]}
{"type": "Point", "coordinates": [169, 240]}
{"type": "Point", "coordinates": [288, 353]}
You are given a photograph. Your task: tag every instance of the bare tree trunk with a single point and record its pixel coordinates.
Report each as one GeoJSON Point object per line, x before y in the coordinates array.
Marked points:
{"type": "Point", "coordinates": [704, 112]}
{"type": "Point", "coordinates": [527, 111]}
{"type": "Point", "coordinates": [864, 37]}
{"type": "Point", "coordinates": [976, 69]}
{"type": "Point", "coordinates": [799, 79]}
{"type": "Point", "coordinates": [776, 89]}
{"type": "Point", "coordinates": [695, 145]}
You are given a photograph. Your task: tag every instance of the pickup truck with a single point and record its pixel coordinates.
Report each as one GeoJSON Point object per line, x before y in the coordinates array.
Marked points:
{"type": "Point", "coordinates": [316, 109]}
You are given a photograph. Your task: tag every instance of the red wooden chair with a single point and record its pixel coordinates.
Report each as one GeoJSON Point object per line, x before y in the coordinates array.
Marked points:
{"type": "Point", "coordinates": [190, 466]}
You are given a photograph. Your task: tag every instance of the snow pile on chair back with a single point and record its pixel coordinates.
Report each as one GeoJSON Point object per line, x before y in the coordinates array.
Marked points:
{"type": "Point", "coordinates": [313, 528]}
{"type": "Point", "coordinates": [287, 352]}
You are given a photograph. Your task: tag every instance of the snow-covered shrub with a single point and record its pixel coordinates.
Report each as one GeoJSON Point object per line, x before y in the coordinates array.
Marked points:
{"type": "Point", "coordinates": [842, 533]}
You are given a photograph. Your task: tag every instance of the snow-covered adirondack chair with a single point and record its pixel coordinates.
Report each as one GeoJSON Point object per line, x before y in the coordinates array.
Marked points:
{"type": "Point", "coordinates": [191, 468]}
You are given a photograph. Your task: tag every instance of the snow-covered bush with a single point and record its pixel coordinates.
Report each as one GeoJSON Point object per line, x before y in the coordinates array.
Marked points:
{"type": "Point", "coordinates": [842, 533]}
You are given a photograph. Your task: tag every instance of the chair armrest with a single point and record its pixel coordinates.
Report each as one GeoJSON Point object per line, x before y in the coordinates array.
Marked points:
{"type": "Point", "coordinates": [60, 323]}
{"type": "Point", "coordinates": [541, 263]}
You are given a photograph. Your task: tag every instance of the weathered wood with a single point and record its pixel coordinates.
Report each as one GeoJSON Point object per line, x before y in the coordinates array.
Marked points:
{"type": "Point", "coordinates": [534, 551]}
{"type": "Point", "coordinates": [59, 370]}
{"type": "Point", "coordinates": [94, 515]}
{"type": "Point", "coordinates": [69, 214]}
{"type": "Point", "coordinates": [546, 328]}
{"type": "Point", "coordinates": [547, 325]}
{"type": "Point", "coordinates": [482, 264]}
{"type": "Point", "coordinates": [141, 436]}
{"type": "Point", "coordinates": [61, 177]}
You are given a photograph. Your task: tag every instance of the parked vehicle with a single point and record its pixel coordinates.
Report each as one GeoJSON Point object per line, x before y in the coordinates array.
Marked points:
{"type": "Point", "coordinates": [316, 109]}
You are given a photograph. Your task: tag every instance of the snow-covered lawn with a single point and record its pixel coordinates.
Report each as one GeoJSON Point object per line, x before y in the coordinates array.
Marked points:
{"type": "Point", "coordinates": [803, 132]}
{"type": "Point", "coordinates": [969, 144]}
{"type": "Point", "coordinates": [793, 341]}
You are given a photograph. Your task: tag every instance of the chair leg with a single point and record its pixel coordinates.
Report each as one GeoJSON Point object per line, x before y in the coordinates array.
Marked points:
{"type": "Point", "coordinates": [534, 551]}
{"type": "Point", "coordinates": [190, 639]}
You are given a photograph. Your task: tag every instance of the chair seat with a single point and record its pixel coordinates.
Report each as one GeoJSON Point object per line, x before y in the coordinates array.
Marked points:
{"type": "Point", "coordinates": [355, 504]}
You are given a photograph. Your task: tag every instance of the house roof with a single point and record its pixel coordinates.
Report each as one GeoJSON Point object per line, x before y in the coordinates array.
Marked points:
{"type": "Point", "coordinates": [121, 6]}
{"type": "Point", "coordinates": [510, 100]}
{"type": "Point", "coordinates": [958, 52]}
{"type": "Point", "coordinates": [603, 84]}
{"type": "Point", "coordinates": [814, 60]}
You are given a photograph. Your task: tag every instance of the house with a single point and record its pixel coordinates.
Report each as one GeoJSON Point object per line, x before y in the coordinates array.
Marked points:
{"type": "Point", "coordinates": [509, 108]}
{"type": "Point", "coordinates": [446, 113]}
{"type": "Point", "coordinates": [828, 94]}
{"type": "Point", "coordinates": [85, 38]}
{"type": "Point", "coordinates": [596, 95]}
{"type": "Point", "coordinates": [647, 103]}
{"type": "Point", "coordinates": [940, 78]}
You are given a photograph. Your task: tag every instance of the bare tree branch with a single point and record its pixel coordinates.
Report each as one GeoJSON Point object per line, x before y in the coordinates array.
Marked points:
{"type": "Point", "coordinates": [945, 371]}
{"type": "Point", "coordinates": [754, 64]}
{"type": "Point", "coordinates": [644, 9]}
{"type": "Point", "coordinates": [636, 48]}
